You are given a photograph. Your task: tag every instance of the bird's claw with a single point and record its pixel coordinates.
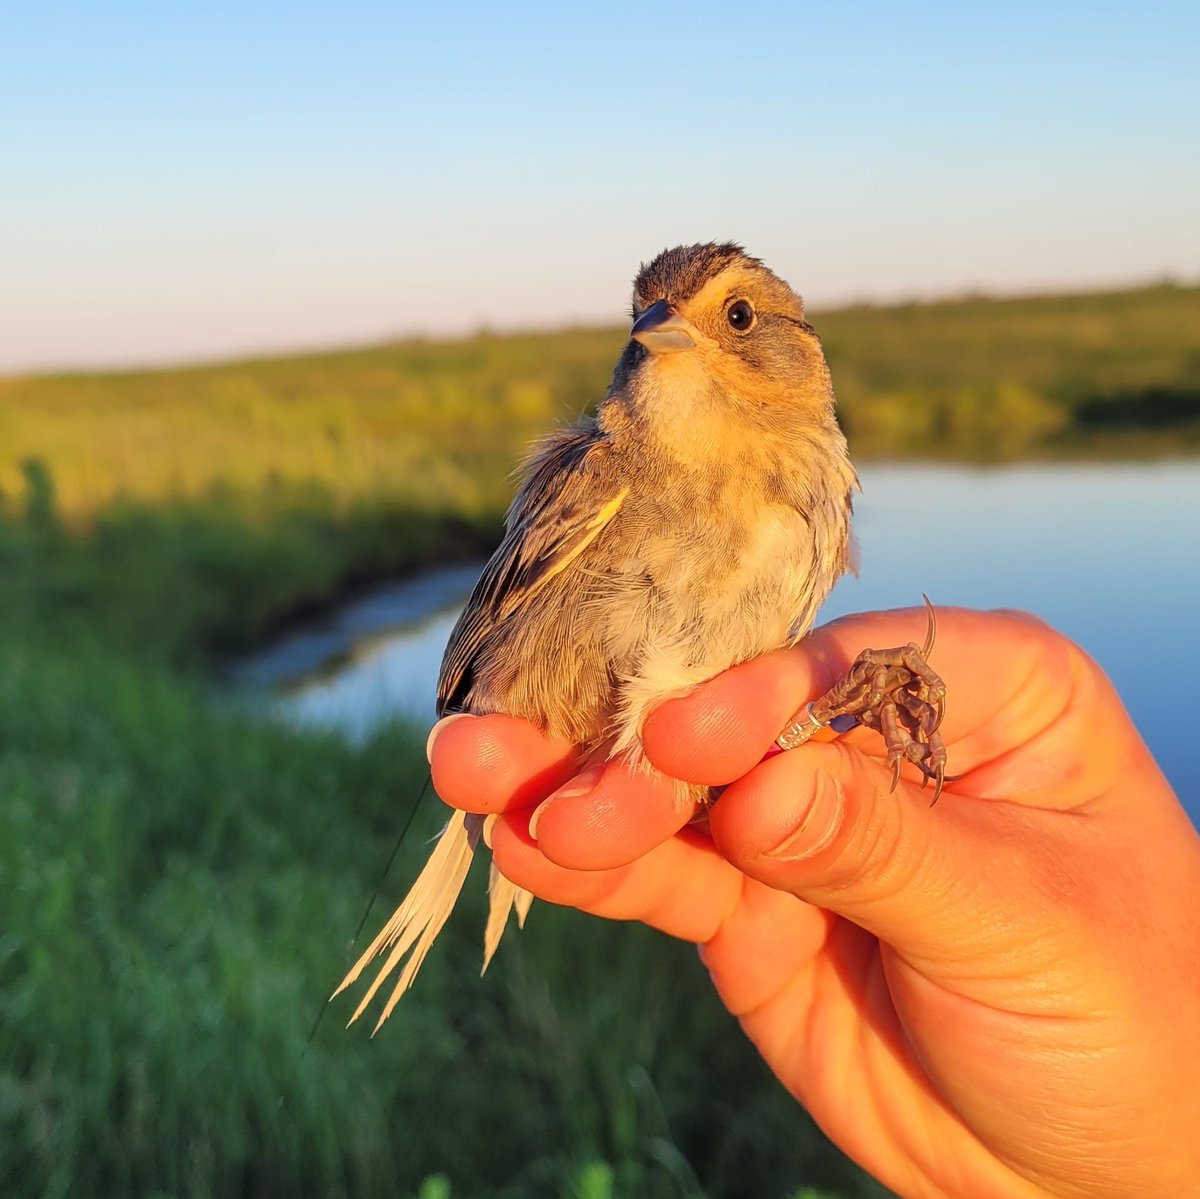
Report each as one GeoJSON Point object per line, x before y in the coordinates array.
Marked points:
{"type": "Point", "coordinates": [896, 692]}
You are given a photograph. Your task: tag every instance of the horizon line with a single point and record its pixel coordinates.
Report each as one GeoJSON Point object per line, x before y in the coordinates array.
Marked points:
{"type": "Point", "coordinates": [271, 352]}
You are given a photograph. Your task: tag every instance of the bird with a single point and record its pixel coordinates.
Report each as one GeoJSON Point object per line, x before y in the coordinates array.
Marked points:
{"type": "Point", "coordinates": [697, 519]}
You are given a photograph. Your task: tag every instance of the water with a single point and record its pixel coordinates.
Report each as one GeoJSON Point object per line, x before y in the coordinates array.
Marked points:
{"type": "Point", "coordinates": [373, 660]}
{"type": "Point", "coordinates": [1109, 554]}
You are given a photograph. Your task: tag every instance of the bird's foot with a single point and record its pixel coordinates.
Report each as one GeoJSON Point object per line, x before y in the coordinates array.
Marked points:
{"type": "Point", "coordinates": [894, 691]}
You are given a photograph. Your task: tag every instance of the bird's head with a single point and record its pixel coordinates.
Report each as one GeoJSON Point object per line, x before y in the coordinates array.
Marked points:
{"type": "Point", "coordinates": [710, 320]}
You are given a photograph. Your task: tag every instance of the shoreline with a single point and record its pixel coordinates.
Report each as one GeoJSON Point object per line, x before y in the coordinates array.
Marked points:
{"type": "Point", "coordinates": [464, 544]}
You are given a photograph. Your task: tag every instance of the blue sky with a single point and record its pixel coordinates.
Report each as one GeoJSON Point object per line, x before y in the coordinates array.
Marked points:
{"type": "Point", "coordinates": [181, 182]}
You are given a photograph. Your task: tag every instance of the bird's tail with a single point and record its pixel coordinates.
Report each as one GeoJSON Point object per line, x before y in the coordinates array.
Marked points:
{"type": "Point", "coordinates": [503, 897]}
{"type": "Point", "coordinates": [416, 923]}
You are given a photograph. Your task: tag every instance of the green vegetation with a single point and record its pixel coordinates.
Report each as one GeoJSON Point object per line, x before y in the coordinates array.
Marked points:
{"type": "Point", "coordinates": [437, 426]}
{"type": "Point", "coordinates": [430, 428]}
{"type": "Point", "coordinates": [179, 882]}
{"type": "Point", "coordinates": [1115, 373]}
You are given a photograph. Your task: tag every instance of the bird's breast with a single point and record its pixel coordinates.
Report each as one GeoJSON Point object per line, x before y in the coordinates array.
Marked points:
{"type": "Point", "coordinates": [735, 572]}
{"type": "Point", "coordinates": [716, 587]}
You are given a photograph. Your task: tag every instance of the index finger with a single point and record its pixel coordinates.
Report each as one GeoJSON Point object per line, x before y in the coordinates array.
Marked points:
{"type": "Point", "coordinates": [603, 817]}
{"type": "Point", "coordinates": [496, 763]}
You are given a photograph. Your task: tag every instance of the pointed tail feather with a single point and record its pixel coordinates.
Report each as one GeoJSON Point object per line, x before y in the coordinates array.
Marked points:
{"type": "Point", "coordinates": [522, 902]}
{"type": "Point", "coordinates": [503, 897]}
{"type": "Point", "coordinates": [416, 923]}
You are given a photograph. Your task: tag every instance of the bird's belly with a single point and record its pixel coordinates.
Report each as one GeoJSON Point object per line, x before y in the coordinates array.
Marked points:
{"type": "Point", "coordinates": [591, 660]}
{"type": "Point", "coordinates": [712, 603]}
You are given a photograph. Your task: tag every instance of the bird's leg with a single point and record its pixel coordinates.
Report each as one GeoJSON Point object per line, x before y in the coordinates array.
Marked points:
{"type": "Point", "coordinates": [894, 691]}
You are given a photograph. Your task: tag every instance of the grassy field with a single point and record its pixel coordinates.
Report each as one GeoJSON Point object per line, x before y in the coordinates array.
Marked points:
{"type": "Point", "coordinates": [180, 883]}
{"type": "Point", "coordinates": [435, 427]}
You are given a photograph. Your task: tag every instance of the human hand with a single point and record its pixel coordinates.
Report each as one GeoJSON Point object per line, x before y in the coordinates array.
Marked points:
{"type": "Point", "coordinates": [998, 996]}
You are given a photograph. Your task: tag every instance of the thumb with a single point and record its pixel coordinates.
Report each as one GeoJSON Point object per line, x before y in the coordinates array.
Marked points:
{"type": "Point", "coordinates": [822, 823]}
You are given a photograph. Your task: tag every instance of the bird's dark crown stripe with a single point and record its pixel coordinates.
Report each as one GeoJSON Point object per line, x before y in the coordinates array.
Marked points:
{"type": "Point", "coordinates": [681, 272]}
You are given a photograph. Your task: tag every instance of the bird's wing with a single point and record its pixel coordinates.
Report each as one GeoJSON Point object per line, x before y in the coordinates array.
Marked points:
{"type": "Point", "coordinates": [567, 498]}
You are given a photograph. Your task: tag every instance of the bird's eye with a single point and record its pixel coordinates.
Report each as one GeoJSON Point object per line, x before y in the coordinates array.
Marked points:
{"type": "Point", "coordinates": [740, 315]}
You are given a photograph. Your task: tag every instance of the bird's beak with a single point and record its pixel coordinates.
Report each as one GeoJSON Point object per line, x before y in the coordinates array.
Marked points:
{"type": "Point", "coordinates": [663, 331]}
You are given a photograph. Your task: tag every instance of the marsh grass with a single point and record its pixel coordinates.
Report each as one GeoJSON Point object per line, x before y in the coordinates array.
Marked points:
{"type": "Point", "coordinates": [438, 426]}
{"type": "Point", "coordinates": [1111, 374]}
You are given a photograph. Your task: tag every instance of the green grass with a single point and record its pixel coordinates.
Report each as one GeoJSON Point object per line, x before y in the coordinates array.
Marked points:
{"type": "Point", "coordinates": [190, 582]}
{"type": "Point", "coordinates": [433, 427]}
{"type": "Point", "coordinates": [1110, 373]}
{"type": "Point", "coordinates": [438, 426]}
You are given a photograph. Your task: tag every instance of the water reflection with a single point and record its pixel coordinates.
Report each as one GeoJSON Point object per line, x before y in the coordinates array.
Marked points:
{"type": "Point", "coordinates": [1106, 553]}
{"type": "Point", "coordinates": [373, 660]}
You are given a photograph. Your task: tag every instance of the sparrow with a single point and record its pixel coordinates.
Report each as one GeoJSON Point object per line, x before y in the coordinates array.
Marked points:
{"type": "Point", "coordinates": [697, 520]}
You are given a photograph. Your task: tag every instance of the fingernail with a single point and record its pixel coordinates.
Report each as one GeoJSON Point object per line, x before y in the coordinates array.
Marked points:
{"type": "Point", "coordinates": [438, 729]}
{"type": "Point", "coordinates": [536, 815]}
{"type": "Point", "coordinates": [819, 824]}
{"type": "Point", "coordinates": [489, 823]}
{"type": "Point", "coordinates": [584, 783]}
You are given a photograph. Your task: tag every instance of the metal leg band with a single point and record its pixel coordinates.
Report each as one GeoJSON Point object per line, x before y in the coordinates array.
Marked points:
{"type": "Point", "coordinates": [799, 729]}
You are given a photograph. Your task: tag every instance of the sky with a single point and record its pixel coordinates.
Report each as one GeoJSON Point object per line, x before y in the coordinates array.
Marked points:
{"type": "Point", "coordinates": [186, 182]}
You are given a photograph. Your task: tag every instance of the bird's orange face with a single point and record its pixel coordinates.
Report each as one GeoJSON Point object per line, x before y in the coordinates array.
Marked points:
{"type": "Point", "coordinates": [726, 328]}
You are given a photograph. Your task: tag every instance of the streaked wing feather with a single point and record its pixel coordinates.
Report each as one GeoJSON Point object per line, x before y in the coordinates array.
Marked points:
{"type": "Point", "coordinates": [561, 507]}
